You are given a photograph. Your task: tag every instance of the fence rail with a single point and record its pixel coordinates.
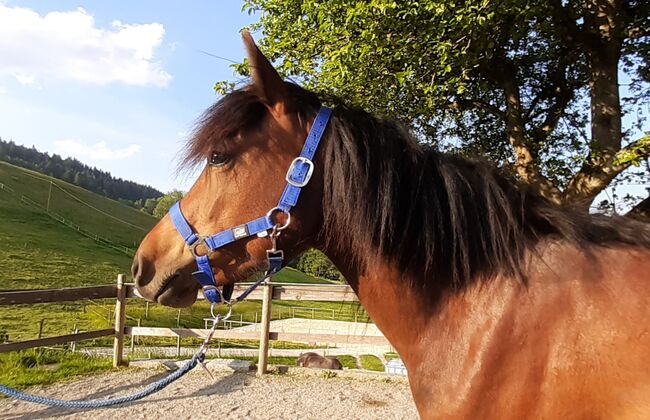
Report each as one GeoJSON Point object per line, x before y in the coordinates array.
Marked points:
{"type": "Point", "coordinates": [121, 291]}
{"type": "Point", "coordinates": [52, 341]}
{"type": "Point", "coordinates": [19, 297]}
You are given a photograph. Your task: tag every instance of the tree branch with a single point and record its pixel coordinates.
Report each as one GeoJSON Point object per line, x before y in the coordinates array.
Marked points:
{"type": "Point", "coordinates": [525, 165]}
{"type": "Point", "coordinates": [465, 104]}
{"type": "Point", "coordinates": [591, 180]}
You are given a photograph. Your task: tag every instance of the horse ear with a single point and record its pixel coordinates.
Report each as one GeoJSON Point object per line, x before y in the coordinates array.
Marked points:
{"type": "Point", "coordinates": [266, 80]}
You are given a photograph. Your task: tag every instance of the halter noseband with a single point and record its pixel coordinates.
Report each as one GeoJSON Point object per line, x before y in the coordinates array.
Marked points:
{"type": "Point", "coordinates": [298, 176]}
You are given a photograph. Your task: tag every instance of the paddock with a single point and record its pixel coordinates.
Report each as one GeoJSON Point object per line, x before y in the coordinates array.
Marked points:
{"type": "Point", "coordinates": [300, 393]}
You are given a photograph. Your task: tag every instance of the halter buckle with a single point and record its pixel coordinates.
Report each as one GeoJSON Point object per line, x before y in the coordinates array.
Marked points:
{"type": "Point", "coordinates": [307, 176]}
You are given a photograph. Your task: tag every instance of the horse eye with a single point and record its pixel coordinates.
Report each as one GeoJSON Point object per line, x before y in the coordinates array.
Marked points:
{"type": "Point", "coordinates": [218, 159]}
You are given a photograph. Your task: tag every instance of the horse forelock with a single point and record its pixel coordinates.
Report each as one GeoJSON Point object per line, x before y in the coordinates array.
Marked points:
{"type": "Point", "coordinates": [237, 112]}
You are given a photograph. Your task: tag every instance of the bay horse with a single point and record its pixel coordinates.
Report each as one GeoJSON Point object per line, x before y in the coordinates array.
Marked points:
{"type": "Point", "coordinates": [500, 304]}
{"type": "Point", "coordinates": [315, 360]}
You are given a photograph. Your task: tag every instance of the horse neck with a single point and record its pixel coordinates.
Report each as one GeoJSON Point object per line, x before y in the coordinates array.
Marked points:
{"type": "Point", "coordinates": [413, 317]}
{"type": "Point", "coordinates": [437, 333]}
{"type": "Point", "coordinates": [396, 308]}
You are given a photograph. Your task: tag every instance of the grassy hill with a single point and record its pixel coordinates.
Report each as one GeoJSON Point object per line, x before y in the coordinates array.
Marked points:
{"type": "Point", "coordinates": [94, 213]}
{"type": "Point", "coordinates": [37, 251]}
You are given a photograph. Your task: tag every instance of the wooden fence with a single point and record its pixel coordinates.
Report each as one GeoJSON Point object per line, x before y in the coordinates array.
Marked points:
{"type": "Point", "coordinates": [123, 291]}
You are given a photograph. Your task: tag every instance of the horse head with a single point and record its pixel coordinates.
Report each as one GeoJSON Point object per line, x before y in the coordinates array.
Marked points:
{"type": "Point", "coordinates": [245, 143]}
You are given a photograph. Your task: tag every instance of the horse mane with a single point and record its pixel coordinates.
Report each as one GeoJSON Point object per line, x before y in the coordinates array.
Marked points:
{"type": "Point", "coordinates": [432, 213]}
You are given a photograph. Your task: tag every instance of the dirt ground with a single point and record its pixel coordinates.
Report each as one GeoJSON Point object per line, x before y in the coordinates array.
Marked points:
{"type": "Point", "coordinates": [231, 395]}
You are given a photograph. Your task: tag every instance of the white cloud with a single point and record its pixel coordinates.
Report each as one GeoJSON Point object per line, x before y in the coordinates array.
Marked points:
{"type": "Point", "coordinates": [97, 151]}
{"type": "Point", "coordinates": [25, 79]}
{"type": "Point", "coordinates": [68, 45]}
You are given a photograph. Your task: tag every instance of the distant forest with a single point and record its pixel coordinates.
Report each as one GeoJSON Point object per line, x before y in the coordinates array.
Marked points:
{"type": "Point", "coordinates": [75, 172]}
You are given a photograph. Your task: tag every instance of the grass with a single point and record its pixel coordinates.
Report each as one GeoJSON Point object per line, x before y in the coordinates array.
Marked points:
{"type": "Point", "coordinates": [349, 362]}
{"type": "Point", "coordinates": [371, 362]}
{"type": "Point", "coordinates": [391, 356]}
{"type": "Point", "coordinates": [291, 275]}
{"type": "Point", "coordinates": [122, 224]}
{"type": "Point", "coordinates": [43, 366]}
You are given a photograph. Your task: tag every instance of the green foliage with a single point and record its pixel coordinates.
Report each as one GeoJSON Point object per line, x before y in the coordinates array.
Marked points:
{"type": "Point", "coordinates": [444, 67]}
{"type": "Point", "coordinates": [41, 367]}
{"type": "Point", "coordinates": [315, 263]}
{"type": "Point", "coordinates": [371, 362]}
{"type": "Point", "coordinates": [165, 203]}
{"type": "Point", "coordinates": [149, 205]}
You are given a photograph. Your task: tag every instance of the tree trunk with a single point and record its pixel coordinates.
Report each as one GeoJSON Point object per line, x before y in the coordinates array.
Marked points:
{"type": "Point", "coordinates": [602, 42]}
{"type": "Point", "coordinates": [525, 165]}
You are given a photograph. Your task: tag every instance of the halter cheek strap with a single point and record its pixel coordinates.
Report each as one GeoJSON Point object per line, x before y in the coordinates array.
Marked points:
{"type": "Point", "coordinates": [298, 176]}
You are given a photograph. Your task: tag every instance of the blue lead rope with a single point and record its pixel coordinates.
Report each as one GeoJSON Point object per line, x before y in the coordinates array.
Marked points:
{"type": "Point", "coordinates": [91, 404]}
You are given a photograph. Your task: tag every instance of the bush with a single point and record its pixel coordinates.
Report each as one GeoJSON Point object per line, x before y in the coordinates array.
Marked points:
{"type": "Point", "coordinates": [315, 263]}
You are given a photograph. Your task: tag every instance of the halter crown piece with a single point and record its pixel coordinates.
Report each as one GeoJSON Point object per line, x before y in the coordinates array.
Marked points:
{"type": "Point", "coordinates": [298, 175]}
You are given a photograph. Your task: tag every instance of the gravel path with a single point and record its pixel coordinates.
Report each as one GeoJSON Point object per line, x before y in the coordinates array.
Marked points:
{"type": "Point", "coordinates": [294, 395]}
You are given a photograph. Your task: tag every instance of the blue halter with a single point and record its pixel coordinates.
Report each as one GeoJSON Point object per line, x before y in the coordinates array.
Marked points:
{"type": "Point", "coordinates": [298, 175]}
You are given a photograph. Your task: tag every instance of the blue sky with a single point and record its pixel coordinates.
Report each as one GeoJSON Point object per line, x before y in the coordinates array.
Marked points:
{"type": "Point", "coordinates": [117, 85]}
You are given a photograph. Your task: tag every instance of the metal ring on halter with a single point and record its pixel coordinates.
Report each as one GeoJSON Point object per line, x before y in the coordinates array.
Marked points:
{"type": "Point", "coordinates": [278, 209]}
{"type": "Point", "coordinates": [224, 318]}
{"type": "Point", "coordinates": [200, 240]}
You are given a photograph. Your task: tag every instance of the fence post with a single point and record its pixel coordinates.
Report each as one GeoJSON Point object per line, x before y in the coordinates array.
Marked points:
{"type": "Point", "coordinates": [73, 344]}
{"type": "Point", "coordinates": [40, 328]}
{"type": "Point", "coordinates": [264, 330]}
{"type": "Point", "coordinates": [49, 197]}
{"type": "Point", "coordinates": [178, 346]}
{"type": "Point", "coordinates": [133, 337]}
{"type": "Point", "coordinates": [120, 320]}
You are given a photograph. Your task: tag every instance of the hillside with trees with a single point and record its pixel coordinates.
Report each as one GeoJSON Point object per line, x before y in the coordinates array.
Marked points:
{"type": "Point", "coordinates": [77, 173]}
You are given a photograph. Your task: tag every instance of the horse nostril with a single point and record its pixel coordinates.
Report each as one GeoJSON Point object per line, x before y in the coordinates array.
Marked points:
{"type": "Point", "coordinates": [136, 268]}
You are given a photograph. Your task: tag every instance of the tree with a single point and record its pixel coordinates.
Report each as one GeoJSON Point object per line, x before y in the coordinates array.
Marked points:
{"type": "Point", "coordinates": [532, 85]}
{"type": "Point", "coordinates": [315, 263]}
{"type": "Point", "coordinates": [166, 202]}
{"type": "Point", "coordinates": [71, 170]}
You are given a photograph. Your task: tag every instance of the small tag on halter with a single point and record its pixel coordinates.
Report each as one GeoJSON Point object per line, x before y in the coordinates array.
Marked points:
{"type": "Point", "coordinates": [239, 232]}
{"type": "Point", "coordinates": [263, 234]}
